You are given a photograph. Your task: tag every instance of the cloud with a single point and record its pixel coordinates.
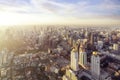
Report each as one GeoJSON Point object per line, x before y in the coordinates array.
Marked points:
{"type": "Point", "coordinates": [50, 6]}
{"type": "Point", "coordinates": [14, 6]}
{"type": "Point", "coordinates": [14, 2]}
{"type": "Point", "coordinates": [63, 8]}
{"type": "Point", "coordinates": [7, 8]}
{"type": "Point", "coordinates": [82, 8]}
{"type": "Point", "coordinates": [67, 9]}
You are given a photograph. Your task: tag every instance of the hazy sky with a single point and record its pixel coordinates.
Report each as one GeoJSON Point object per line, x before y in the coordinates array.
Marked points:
{"type": "Point", "coordinates": [59, 12]}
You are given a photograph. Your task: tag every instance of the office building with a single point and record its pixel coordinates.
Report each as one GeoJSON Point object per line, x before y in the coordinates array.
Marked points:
{"type": "Point", "coordinates": [74, 60]}
{"type": "Point", "coordinates": [95, 65]}
{"type": "Point", "coordinates": [100, 44]}
{"type": "Point", "coordinates": [82, 56]}
{"type": "Point", "coordinates": [116, 47]}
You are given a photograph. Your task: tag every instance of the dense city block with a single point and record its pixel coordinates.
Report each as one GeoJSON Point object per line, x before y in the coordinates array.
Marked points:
{"type": "Point", "coordinates": [60, 52]}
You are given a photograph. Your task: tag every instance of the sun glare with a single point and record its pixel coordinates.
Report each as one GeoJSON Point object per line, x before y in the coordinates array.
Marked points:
{"type": "Point", "coordinates": [7, 19]}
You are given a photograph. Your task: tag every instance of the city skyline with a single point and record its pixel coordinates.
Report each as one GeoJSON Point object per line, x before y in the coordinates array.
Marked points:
{"type": "Point", "coordinates": [17, 12]}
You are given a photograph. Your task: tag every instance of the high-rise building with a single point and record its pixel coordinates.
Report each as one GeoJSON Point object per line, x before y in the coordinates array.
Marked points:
{"type": "Point", "coordinates": [91, 38]}
{"type": "Point", "coordinates": [95, 65]}
{"type": "Point", "coordinates": [100, 44]}
{"type": "Point", "coordinates": [71, 73]}
{"type": "Point", "coordinates": [1, 61]}
{"type": "Point", "coordinates": [71, 41]}
{"type": "Point", "coordinates": [74, 60]}
{"type": "Point", "coordinates": [82, 56]}
{"type": "Point", "coordinates": [115, 46]}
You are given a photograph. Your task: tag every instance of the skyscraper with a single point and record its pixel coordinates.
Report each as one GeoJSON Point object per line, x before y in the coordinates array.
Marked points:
{"type": "Point", "coordinates": [91, 38]}
{"type": "Point", "coordinates": [95, 65]}
{"type": "Point", "coordinates": [74, 60]}
{"type": "Point", "coordinates": [82, 56]}
{"type": "Point", "coordinates": [116, 47]}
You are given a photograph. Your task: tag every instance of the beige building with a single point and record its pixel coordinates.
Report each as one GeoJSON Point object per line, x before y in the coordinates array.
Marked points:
{"type": "Point", "coordinates": [70, 75]}
{"type": "Point", "coordinates": [74, 60]}
{"type": "Point", "coordinates": [115, 46]}
{"type": "Point", "coordinates": [82, 56]}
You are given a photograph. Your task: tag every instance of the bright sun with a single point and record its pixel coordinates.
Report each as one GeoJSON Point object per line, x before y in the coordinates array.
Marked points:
{"type": "Point", "coordinates": [7, 19]}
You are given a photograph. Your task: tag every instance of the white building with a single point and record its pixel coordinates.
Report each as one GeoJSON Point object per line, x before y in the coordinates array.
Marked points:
{"type": "Point", "coordinates": [95, 65]}
{"type": "Point", "coordinates": [115, 46]}
{"type": "Point", "coordinates": [100, 44]}
{"type": "Point", "coordinates": [74, 60]}
{"type": "Point", "coordinates": [70, 75]}
{"type": "Point", "coordinates": [4, 56]}
{"type": "Point", "coordinates": [82, 56]}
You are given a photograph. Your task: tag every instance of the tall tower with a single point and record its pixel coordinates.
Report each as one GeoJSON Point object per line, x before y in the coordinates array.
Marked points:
{"type": "Point", "coordinates": [91, 38]}
{"type": "Point", "coordinates": [95, 65]}
{"type": "Point", "coordinates": [116, 47]}
{"type": "Point", "coordinates": [74, 60]}
{"type": "Point", "coordinates": [82, 56]}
